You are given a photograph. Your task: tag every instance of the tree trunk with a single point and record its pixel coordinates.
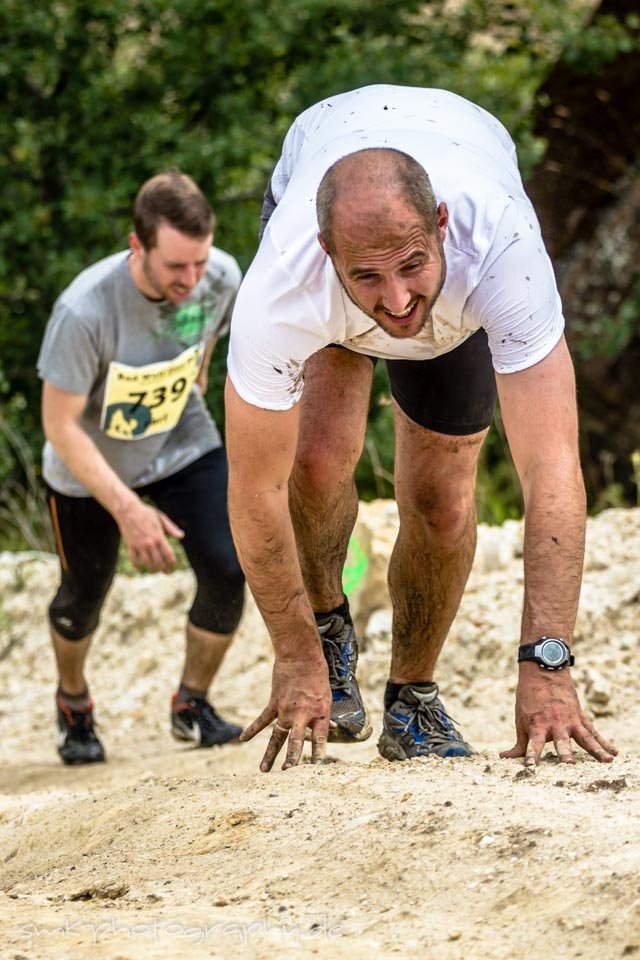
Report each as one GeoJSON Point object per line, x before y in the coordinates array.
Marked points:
{"type": "Point", "coordinates": [587, 194]}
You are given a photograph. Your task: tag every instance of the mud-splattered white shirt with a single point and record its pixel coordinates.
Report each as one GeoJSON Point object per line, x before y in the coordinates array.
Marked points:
{"type": "Point", "coordinates": [499, 276]}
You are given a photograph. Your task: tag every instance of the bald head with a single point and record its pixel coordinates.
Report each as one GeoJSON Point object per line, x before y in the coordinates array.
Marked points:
{"type": "Point", "coordinates": [365, 187]}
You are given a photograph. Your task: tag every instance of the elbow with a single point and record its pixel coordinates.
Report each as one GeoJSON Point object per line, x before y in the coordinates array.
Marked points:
{"type": "Point", "coordinates": [51, 426]}
{"type": "Point", "coordinates": [57, 429]}
{"type": "Point", "coordinates": [48, 427]}
{"type": "Point", "coordinates": [556, 477]}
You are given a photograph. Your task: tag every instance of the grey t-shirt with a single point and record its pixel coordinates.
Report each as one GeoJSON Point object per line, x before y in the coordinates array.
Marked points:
{"type": "Point", "coordinates": [136, 361]}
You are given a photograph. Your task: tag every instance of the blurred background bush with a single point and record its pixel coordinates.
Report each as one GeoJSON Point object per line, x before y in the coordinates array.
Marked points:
{"type": "Point", "coordinates": [95, 98]}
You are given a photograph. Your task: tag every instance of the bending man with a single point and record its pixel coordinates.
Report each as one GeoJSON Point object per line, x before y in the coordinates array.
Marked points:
{"type": "Point", "coordinates": [398, 228]}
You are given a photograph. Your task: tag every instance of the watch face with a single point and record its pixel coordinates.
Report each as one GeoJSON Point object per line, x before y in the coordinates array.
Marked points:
{"type": "Point", "coordinates": [553, 652]}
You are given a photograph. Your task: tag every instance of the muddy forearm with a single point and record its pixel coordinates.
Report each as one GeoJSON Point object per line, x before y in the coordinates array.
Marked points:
{"type": "Point", "coordinates": [553, 554]}
{"type": "Point", "coordinates": [265, 541]}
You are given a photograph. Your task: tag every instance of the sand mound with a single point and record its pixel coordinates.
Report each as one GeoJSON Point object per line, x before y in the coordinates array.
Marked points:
{"type": "Point", "coordinates": [168, 851]}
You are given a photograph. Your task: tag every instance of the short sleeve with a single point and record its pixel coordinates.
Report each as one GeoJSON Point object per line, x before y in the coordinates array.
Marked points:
{"type": "Point", "coordinates": [517, 301]}
{"type": "Point", "coordinates": [283, 170]}
{"type": "Point", "coordinates": [69, 355]}
{"type": "Point", "coordinates": [276, 327]}
{"type": "Point", "coordinates": [294, 142]}
{"type": "Point", "coordinates": [232, 280]}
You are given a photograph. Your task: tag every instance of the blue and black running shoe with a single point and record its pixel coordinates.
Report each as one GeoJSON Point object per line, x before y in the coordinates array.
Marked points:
{"type": "Point", "coordinates": [417, 725]}
{"type": "Point", "coordinates": [341, 653]}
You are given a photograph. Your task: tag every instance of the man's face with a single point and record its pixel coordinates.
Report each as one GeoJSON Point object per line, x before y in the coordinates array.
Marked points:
{"type": "Point", "coordinates": [389, 265]}
{"type": "Point", "coordinates": [172, 268]}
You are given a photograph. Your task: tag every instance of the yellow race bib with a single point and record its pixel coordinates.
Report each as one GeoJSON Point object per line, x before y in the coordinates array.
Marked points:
{"type": "Point", "coordinates": [141, 401]}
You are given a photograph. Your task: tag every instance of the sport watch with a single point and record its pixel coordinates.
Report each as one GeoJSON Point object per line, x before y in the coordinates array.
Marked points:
{"type": "Point", "coordinates": [551, 653]}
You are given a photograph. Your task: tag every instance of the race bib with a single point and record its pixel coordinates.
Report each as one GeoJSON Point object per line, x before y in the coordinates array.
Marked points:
{"type": "Point", "coordinates": [141, 401]}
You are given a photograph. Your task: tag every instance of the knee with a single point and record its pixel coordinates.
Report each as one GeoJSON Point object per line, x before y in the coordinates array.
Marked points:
{"type": "Point", "coordinates": [75, 620]}
{"type": "Point", "coordinates": [74, 612]}
{"type": "Point", "coordinates": [445, 516]}
{"type": "Point", "coordinates": [321, 468]}
{"type": "Point", "coordinates": [219, 602]}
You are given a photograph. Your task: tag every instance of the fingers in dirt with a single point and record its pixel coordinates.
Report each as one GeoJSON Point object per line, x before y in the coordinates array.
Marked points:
{"type": "Point", "coordinates": [564, 750]}
{"type": "Point", "coordinates": [596, 746]}
{"type": "Point", "coordinates": [609, 747]}
{"type": "Point", "coordinates": [294, 749]}
{"type": "Point", "coordinates": [276, 742]}
{"type": "Point", "coordinates": [267, 716]}
{"type": "Point", "coordinates": [535, 746]}
{"type": "Point", "coordinates": [318, 747]}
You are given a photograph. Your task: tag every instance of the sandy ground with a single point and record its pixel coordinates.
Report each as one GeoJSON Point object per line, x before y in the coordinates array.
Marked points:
{"type": "Point", "coordinates": [167, 851]}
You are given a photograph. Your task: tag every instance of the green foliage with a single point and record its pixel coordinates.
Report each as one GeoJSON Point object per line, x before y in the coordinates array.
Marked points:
{"type": "Point", "coordinates": [613, 493]}
{"type": "Point", "coordinates": [605, 335]}
{"type": "Point", "coordinates": [498, 495]}
{"type": "Point", "coordinates": [95, 98]}
{"type": "Point", "coordinates": [590, 49]}
{"type": "Point", "coordinates": [374, 474]}
{"type": "Point", "coordinates": [24, 517]}
{"type": "Point", "coordinates": [635, 464]}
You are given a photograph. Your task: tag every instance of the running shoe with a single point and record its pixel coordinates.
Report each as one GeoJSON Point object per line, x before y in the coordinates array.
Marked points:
{"type": "Point", "coordinates": [417, 725]}
{"type": "Point", "coordinates": [347, 708]}
{"type": "Point", "coordinates": [196, 720]}
{"type": "Point", "coordinates": [77, 740]}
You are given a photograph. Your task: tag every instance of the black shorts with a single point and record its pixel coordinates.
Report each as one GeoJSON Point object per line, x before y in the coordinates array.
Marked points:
{"type": "Point", "coordinates": [88, 539]}
{"type": "Point", "coordinates": [454, 393]}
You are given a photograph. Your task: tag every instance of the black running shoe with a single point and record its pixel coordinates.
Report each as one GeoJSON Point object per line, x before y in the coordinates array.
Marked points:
{"type": "Point", "coordinates": [196, 720]}
{"type": "Point", "coordinates": [417, 725]}
{"type": "Point", "coordinates": [78, 741]}
{"type": "Point", "coordinates": [341, 653]}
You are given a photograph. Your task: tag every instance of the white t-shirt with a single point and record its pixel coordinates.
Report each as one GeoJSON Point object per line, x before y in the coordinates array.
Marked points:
{"type": "Point", "coordinates": [499, 276]}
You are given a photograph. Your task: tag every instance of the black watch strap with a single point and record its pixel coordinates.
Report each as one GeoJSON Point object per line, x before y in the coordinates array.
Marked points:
{"type": "Point", "coordinates": [527, 651]}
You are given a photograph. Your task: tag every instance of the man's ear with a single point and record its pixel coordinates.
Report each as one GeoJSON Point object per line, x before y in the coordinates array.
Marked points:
{"type": "Point", "coordinates": [135, 244]}
{"type": "Point", "coordinates": [323, 244]}
{"type": "Point", "coordinates": [443, 218]}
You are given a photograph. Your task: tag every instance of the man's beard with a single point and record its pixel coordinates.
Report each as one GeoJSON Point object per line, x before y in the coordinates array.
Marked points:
{"type": "Point", "coordinates": [169, 292]}
{"type": "Point", "coordinates": [152, 280]}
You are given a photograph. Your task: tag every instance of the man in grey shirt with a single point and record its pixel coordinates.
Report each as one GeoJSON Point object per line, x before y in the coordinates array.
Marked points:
{"type": "Point", "coordinates": [124, 365]}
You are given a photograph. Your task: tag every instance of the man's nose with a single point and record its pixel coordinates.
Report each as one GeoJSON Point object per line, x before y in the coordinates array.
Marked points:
{"type": "Point", "coordinates": [396, 296]}
{"type": "Point", "coordinates": [190, 276]}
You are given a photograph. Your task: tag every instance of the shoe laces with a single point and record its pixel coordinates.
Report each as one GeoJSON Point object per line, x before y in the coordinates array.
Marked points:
{"type": "Point", "coordinates": [339, 653]}
{"type": "Point", "coordinates": [430, 721]}
{"type": "Point", "coordinates": [80, 721]}
{"type": "Point", "coordinates": [206, 711]}
{"type": "Point", "coordinates": [339, 663]}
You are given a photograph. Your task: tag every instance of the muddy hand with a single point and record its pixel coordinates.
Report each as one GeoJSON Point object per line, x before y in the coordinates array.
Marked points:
{"type": "Point", "coordinates": [548, 709]}
{"type": "Point", "coordinates": [300, 698]}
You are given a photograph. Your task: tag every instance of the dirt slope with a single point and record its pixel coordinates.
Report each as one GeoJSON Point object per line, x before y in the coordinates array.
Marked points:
{"type": "Point", "coordinates": [171, 852]}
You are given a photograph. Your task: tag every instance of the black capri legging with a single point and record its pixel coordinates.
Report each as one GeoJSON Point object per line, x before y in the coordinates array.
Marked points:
{"type": "Point", "coordinates": [88, 539]}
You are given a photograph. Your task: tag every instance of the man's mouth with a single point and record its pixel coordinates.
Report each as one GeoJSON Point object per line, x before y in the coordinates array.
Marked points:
{"type": "Point", "coordinates": [405, 316]}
